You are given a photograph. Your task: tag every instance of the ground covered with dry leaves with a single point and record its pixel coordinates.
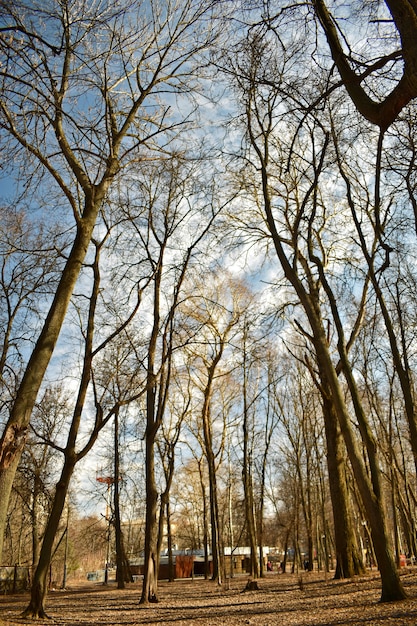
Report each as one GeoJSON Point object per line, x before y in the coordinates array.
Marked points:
{"type": "Point", "coordinates": [282, 599]}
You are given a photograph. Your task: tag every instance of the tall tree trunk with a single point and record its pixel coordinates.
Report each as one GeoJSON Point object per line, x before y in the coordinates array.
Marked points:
{"type": "Point", "coordinates": [205, 523]}
{"type": "Point", "coordinates": [171, 566]}
{"type": "Point", "coordinates": [153, 420]}
{"type": "Point", "coordinates": [211, 465]}
{"type": "Point", "coordinates": [39, 589]}
{"type": "Point", "coordinates": [286, 544]}
{"type": "Point", "coordinates": [213, 498]}
{"type": "Point", "coordinates": [260, 525]}
{"type": "Point", "coordinates": [214, 520]}
{"type": "Point", "coordinates": [251, 526]}
{"type": "Point", "coordinates": [249, 502]}
{"type": "Point", "coordinates": [247, 474]}
{"type": "Point", "coordinates": [305, 502]}
{"type": "Point", "coordinates": [349, 561]}
{"type": "Point", "coordinates": [164, 506]}
{"type": "Point", "coordinates": [150, 574]}
{"type": "Point", "coordinates": [122, 565]}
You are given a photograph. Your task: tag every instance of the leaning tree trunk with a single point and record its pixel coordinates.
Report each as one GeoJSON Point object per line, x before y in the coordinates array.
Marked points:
{"type": "Point", "coordinates": [370, 490]}
{"type": "Point", "coordinates": [36, 606]}
{"type": "Point", "coordinates": [15, 432]}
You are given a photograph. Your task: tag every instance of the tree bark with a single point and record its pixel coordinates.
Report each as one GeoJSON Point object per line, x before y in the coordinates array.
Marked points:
{"type": "Point", "coordinates": [35, 515]}
{"type": "Point", "coordinates": [205, 522]}
{"type": "Point", "coordinates": [164, 507]}
{"type": "Point", "coordinates": [268, 437]}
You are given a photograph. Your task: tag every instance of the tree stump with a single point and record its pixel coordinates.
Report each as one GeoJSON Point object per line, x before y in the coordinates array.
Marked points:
{"type": "Point", "coordinates": [251, 585]}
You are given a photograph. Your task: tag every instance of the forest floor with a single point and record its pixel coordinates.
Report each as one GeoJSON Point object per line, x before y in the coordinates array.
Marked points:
{"type": "Point", "coordinates": [282, 599]}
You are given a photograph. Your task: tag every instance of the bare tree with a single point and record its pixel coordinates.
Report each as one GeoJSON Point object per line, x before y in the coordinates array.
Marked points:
{"type": "Point", "coordinates": [72, 451]}
{"type": "Point", "coordinates": [82, 98]}
{"type": "Point", "coordinates": [190, 493]}
{"type": "Point", "coordinates": [258, 424]}
{"type": "Point", "coordinates": [269, 407]}
{"type": "Point", "coordinates": [172, 240]}
{"type": "Point", "coordinates": [377, 253]}
{"type": "Point", "coordinates": [248, 454]}
{"type": "Point", "coordinates": [295, 223]}
{"type": "Point", "coordinates": [217, 310]}
{"type": "Point", "coordinates": [179, 406]}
